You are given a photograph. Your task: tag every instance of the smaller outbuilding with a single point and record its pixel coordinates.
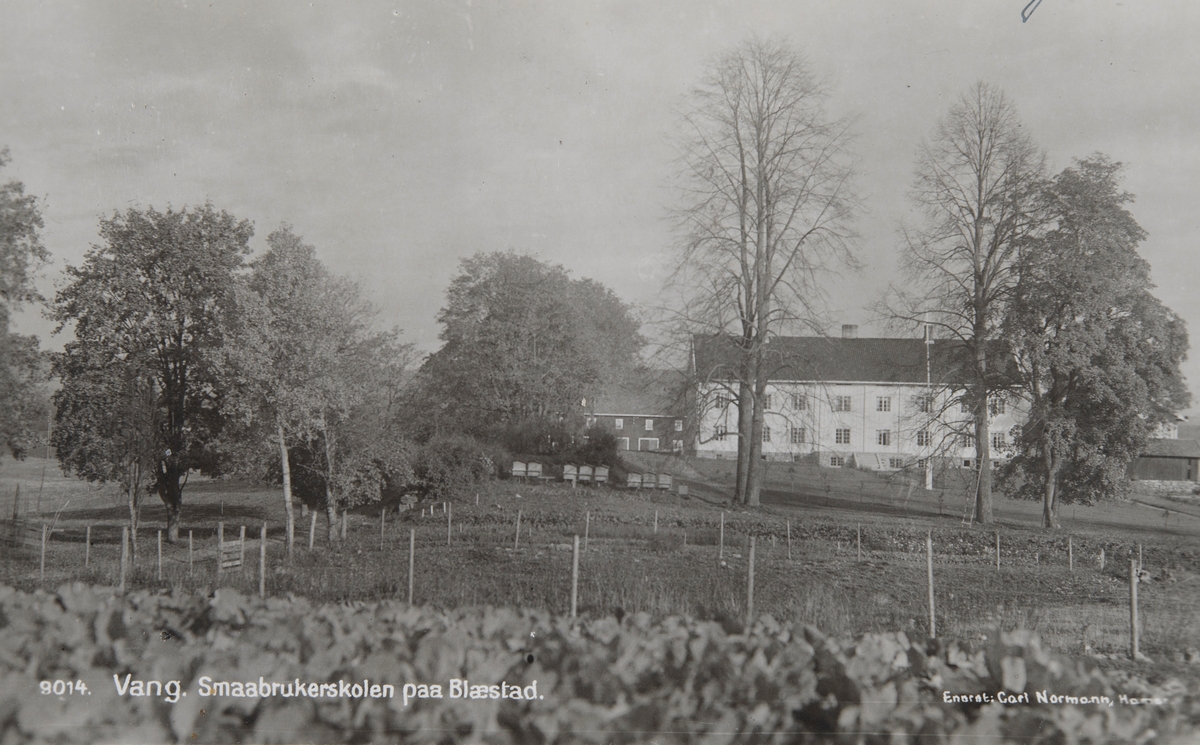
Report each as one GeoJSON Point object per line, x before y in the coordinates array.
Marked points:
{"type": "Point", "coordinates": [1167, 460]}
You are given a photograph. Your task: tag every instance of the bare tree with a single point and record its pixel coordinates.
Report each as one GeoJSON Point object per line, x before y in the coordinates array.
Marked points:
{"type": "Point", "coordinates": [767, 197]}
{"type": "Point", "coordinates": [977, 181]}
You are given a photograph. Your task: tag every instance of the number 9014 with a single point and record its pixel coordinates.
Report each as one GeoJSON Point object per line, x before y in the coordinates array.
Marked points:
{"type": "Point", "coordinates": [62, 687]}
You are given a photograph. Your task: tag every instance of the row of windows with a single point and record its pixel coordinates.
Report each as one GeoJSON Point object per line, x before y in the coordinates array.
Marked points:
{"type": "Point", "coordinates": [841, 436]}
{"type": "Point", "coordinates": [924, 404]}
{"type": "Point", "coordinates": [649, 425]}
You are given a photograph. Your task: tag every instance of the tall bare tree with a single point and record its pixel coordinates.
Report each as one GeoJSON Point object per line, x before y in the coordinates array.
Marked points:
{"type": "Point", "coordinates": [767, 204]}
{"type": "Point", "coordinates": [977, 181]}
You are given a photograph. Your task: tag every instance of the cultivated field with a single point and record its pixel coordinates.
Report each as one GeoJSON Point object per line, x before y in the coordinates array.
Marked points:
{"type": "Point", "coordinates": [1048, 582]}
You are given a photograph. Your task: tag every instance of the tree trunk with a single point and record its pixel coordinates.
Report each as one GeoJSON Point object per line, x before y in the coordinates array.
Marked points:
{"type": "Point", "coordinates": [131, 491]}
{"type": "Point", "coordinates": [330, 501]}
{"type": "Point", "coordinates": [745, 417]}
{"type": "Point", "coordinates": [170, 490]}
{"type": "Point", "coordinates": [983, 458]}
{"type": "Point", "coordinates": [1050, 494]}
{"type": "Point", "coordinates": [755, 470]}
{"type": "Point", "coordinates": [285, 464]}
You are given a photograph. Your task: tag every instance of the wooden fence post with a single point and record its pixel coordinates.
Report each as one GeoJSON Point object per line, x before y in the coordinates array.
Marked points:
{"type": "Point", "coordinates": [124, 554]}
{"type": "Point", "coordinates": [997, 550]}
{"type": "Point", "coordinates": [262, 562]}
{"type": "Point", "coordinates": [87, 548]}
{"type": "Point", "coordinates": [789, 539]}
{"type": "Point", "coordinates": [160, 555]}
{"type": "Point", "coordinates": [312, 529]}
{"type": "Point", "coordinates": [587, 526]}
{"type": "Point", "coordinates": [1139, 557]}
{"type": "Point", "coordinates": [721, 550]}
{"type": "Point", "coordinates": [242, 550]}
{"type": "Point", "coordinates": [344, 519]}
{"type": "Point", "coordinates": [220, 547]}
{"type": "Point", "coordinates": [1133, 610]}
{"type": "Point", "coordinates": [412, 551]}
{"type": "Point", "coordinates": [191, 565]}
{"type": "Point", "coordinates": [656, 522]}
{"type": "Point", "coordinates": [449, 518]}
{"type": "Point", "coordinates": [1102, 559]}
{"type": "Point", "coordinates": [517, 542]}
{"type": "Point", "coordinates": [42, 571]}
{"type": "Point", "coordinates": [750, 589]}
{"type": "Point", "coordinates": [575, 577]}
{"type": "Point", "coordinates": [860, 542]}
{"type": "Point", "coordinates": [929, 566]}
{"type": "Point", "coordinates": [382, 515]}
{"type": "Point", "coordinates": [1071, 553]}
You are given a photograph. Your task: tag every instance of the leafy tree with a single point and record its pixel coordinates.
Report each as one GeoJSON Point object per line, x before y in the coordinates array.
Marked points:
{"type": "Point", "coordinates": [977, 183]}
{"type": "Point", "coordinates": [22, 365]}
{"type": "Point", "coordinates": [1098, 353]}
{"type": "Point", "coordinates": [523, 342]}
{"type": "Point", "coordinates": [147, 305]}
{"type": "Point", "coordinates": [768, 202]}
{"type": "Point", "coordinates": [301, 358]}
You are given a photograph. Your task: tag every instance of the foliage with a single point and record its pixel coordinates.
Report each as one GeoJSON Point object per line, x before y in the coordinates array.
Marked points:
{"type": "Point", "coordinates": [977, 183]}
{"type": "Point", "coordinates": [22, 366]}
{"type": "Point", "coordinates": [598, 679]}
{"type": "Point", "coordinates": [448, 465]}
{"type": "Point", "coordinates": [523, 341]}
{"type": "Point", "coordinates": [147, 307]}
{"type": "Point", "coordinates": [767, 197]}
{"type": "Point", "coordinates": [1099, 354]}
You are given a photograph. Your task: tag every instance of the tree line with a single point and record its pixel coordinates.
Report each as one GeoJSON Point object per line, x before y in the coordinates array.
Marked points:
{"type": "Point", "coordinates": [189, 355]}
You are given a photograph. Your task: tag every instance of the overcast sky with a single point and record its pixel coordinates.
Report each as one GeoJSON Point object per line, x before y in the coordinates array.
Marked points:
{"type": "Point", "coordinates": [401, 137]}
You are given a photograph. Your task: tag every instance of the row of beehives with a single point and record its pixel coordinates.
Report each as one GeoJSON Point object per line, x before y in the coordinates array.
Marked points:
{"type": "Point", "coordinates": [577, 474]}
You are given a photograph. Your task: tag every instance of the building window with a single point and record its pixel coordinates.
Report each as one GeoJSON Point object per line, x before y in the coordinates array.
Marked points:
{"type": "Point", "coordinates": [895, 463]}
{"type": "Point", "coordinates": [722, 401]}
{"type": "Point", "coordinates": [677, 445]}
{"type": "Point", "coordinates": [678, 425]}
{"type": "Point", "coordinates": [999, 441]}
{"type": "Point", "coordinates": [622, 443]}
{"type": "Point", "coordinates": [842, 436]}
{"type": "Point", "coordinates": [964, 406]}
{"type": "Point", "coordinates": [649, 425]}
{"type": "Point", "coordinates": [967, 462]}
{"type": "Point", "coordinates": [883, 403]}
{"type": "Point", "coordinates": [766, 401]}
{"type": "Point", "coordinates": [766, 434]}
{"type": "Point", "coordinates": [799, 435]}
{"type": "Point", "coordinates": [720, 432]}
{"type": "Point", "coordinates": [591, 421]}
{"type": "Point", "coordinates": [924, 439]}
{"type": "Point", "coordinates": [883, 437]}
{"type": "Point", "coordinates": [966, 441]}
{"type": "Point", "coordinates": [837, 461]}
{"type": "Point", "coordinates": [925, 404]}
{"type": "Point", "coordinates": [997, 405]}
{"type": "Point", "coordinates": [841, 403]}
{"type": "Point", "coordinates": [618, 424]}
{"type": "Point", "coordinates": [799, 402]}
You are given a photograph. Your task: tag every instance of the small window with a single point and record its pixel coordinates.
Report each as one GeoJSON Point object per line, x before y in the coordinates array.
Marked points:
{"type": "Point", "coordinates": [837, 461]}
{"type": "Point", "coordinates": [766, 434]}
{"type": "Point", "coordinates": [842, 436]}
{"type": "Point", "coordinates": [649, 425]}
{"type": "Point", "coordinates": [883, 437]}
{"type": "Point", "coordinates": [925, 404]}
{"type": "Point", "coordinates": [999, 441]}
{"type": "Point", "coordinates": [997, 405]}
{"type": "Point", "coordinates": [618, 424]}
{"type": "Point", "coordinates": [799, 435]}
{"type": "Point", "coordinates": [924, 439]}
{"type": "Point", "coordinates": [895, 463]}
{"type": "Point", "coordinates": [622, 443]}
{"type": "Point", "coordinates": [841, 403]}
{"type": "Point", "coordinates": [678, 425]}
{"type": "Point", "coordinates": [967, 462]}
{"type": "Point", "coordinates": [720, 432]}
{"type": "Point", "coordinates": [883, 403]}
{"type": "Point", "coordinates": [767, 401]}
{"type": "Point", "coordinates": [677, 445]}
{"type": "Point", "coordinates": [964, 406]}
{"type": "Point", "coordinates": [799, 402]}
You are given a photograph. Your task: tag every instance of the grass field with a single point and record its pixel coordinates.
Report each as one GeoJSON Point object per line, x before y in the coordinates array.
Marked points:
{"type": "Point", "coordinates": [681, 567]}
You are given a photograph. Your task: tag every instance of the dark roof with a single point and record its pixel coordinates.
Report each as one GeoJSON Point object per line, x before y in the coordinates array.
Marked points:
{"type": "Point", "coordinates": [1164, 448]}
{"type": "Point", "coordinates": [644, 393]}
{"type": "Point", "coordinates": [830, 359]}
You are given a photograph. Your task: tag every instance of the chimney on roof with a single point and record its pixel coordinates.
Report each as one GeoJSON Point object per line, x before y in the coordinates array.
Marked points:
{"type": "Point", "coordinates": [849, 331]}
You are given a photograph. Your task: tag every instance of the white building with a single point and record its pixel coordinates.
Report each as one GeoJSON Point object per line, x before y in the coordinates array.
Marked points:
{"type": "Point", "coordinates": [882, 404]}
